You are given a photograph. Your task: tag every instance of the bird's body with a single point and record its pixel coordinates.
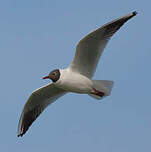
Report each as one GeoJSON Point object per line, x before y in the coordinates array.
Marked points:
{"type": "Point", "coordinates": [77, 77]}
{"type": "Point", "coordinates": [74, 82]}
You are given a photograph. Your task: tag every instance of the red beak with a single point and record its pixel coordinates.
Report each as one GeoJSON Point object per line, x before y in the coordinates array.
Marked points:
{"type": "Point", "coordinates": [46, 77]}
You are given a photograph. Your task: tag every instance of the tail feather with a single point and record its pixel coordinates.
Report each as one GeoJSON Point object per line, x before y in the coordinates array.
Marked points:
{"type": "Point", "coordinates": [103, 86]}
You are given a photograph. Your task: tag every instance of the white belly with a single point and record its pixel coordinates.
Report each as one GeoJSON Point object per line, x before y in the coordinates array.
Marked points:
{"type": "Point", "coordinates": [74, 82]}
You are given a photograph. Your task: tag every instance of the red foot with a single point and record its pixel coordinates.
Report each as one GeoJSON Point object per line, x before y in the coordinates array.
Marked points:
{"type": "Point", "coordinates": [98, 93]}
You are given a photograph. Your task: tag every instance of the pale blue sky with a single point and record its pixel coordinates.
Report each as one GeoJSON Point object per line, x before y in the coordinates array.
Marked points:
{"type": "Point", "coordinates": [37, 36]}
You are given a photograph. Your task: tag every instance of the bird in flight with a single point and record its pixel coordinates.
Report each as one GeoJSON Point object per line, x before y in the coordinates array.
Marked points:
{"type": "Point", "coordinates": [77, 77]}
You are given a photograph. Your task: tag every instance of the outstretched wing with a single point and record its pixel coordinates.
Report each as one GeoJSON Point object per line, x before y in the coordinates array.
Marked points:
{"type": "Point", "coordinates": [90, 48]}
{"type": "Point", "coordinates": [36, 103]}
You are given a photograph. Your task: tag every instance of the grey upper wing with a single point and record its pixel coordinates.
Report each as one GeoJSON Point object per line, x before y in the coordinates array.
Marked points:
{"type": "Point", "coordinates": [36, 103]}
{"type": "Point", "coordinates": [90, 48]}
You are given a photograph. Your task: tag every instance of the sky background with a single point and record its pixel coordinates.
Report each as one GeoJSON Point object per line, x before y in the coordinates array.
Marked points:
{"type": "Point", "coordinates": [37, 36]}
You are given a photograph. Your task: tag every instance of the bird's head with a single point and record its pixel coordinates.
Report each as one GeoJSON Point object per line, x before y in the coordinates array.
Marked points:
{"type": "Point", "coordinates": [53, 75]}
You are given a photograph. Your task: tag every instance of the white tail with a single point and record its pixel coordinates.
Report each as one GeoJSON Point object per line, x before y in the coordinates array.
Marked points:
{"type": "Point", "coordinates": [103, 86]}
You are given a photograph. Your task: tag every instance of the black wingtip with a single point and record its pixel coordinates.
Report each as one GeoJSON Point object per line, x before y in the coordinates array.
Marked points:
{"type": "Point", "coordinates": [20, 135]}
{"type": "Point", "coordinates": [134, 13]}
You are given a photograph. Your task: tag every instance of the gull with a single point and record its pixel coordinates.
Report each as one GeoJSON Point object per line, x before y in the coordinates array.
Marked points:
{"type": "Point", "coordinates": [77, 77]}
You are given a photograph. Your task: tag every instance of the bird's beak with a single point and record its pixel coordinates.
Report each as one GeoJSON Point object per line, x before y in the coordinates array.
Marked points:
{"type": "Point", "coordinates": [46, 77]}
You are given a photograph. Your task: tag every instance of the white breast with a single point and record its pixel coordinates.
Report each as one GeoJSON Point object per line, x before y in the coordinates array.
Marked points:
{"type": "Point", "coordinates": [74, 82]}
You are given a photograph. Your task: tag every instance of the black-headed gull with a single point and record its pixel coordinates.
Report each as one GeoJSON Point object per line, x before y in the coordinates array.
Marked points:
{"type": "Point", "coordinates": [77, 77]}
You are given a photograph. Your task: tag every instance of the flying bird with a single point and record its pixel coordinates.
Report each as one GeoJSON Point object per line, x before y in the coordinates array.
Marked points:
{"type": "Point", "coordinates": [77, 77]}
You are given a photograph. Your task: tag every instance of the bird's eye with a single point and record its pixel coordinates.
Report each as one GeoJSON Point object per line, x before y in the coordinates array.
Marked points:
{"type": "Point", "coordinates": [54, 74]}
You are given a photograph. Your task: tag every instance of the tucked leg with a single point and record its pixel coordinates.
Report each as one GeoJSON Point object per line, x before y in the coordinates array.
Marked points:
{"type": "Point", "coordinates": [98, 93]}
